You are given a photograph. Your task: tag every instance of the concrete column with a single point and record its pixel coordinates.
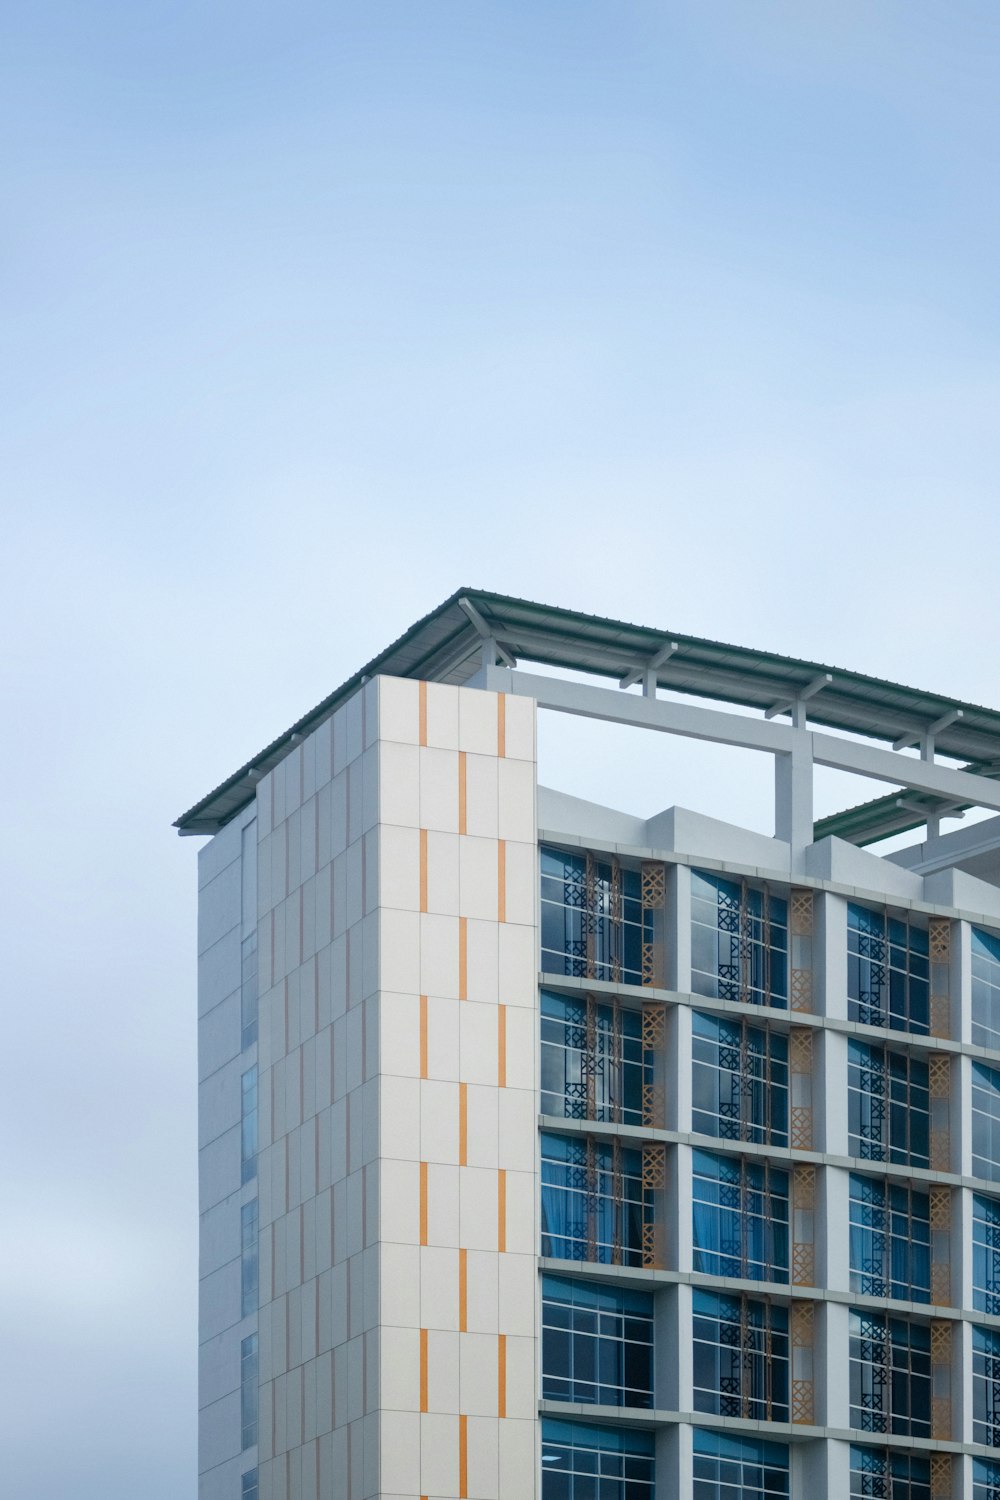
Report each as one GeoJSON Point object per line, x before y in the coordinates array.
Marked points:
{"type": "Point", "coordinates": [674, 1468]}
{"type": "Point", "coordinates": [833, 1239]}
{"type": "Point", "coordinates": [678, 928]}
{"type": "Point", "coordinates": [830, 1113]}
{"type": "Point", "coordinates": [793, 798]}
{"type": "Point", "coordinates": [678, 1071]}
{"type": "Point", "coordinates": [674, 1373]}
{"type": "Point", "coordinates": [961, 982]}
{"type": "Point", "coordinates": [961, 1116]}
{"type": "Point", "coordinates": [679, 1254]}
{"type": "Point", "coordinates": [830, 956]}
{"type": "Point", "coordinates": [833, 1397]}
{"type": "Point", "coordinates": [819, 1470]}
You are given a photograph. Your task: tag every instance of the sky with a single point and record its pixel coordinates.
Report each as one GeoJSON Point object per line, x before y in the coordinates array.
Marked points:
{"type": "Point", "coordinates": [682, 312]}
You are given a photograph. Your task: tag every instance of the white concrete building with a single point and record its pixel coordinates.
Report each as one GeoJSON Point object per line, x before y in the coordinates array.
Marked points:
{"type": "Point", "coordinates": [550, 1153]}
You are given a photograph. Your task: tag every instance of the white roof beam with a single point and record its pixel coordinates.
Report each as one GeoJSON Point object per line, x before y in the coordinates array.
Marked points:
{"type": "Point", "coordinates": [664, 654]}
{"type": "Point", "coordinates": [788, 705]}
{"type": "Point", "coordinates": [921, 736]}
{"type": "Point", "coordinates": [490, 642]}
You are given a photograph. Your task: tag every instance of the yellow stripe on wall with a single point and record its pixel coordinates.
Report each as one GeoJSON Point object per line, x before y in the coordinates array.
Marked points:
{"type": "Point", "coordinates": [502, 1375]}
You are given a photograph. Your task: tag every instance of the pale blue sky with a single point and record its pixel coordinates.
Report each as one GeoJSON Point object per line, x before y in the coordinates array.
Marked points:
{"type": "Point", "coordinates": [683, 312]}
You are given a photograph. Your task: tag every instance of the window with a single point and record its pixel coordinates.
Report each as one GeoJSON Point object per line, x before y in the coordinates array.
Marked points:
{"type": "Point", "coordinates": [888, 971]}
{"type": "Point", "coordinates": [985, 988]}
{"type": "Point", "coordinates": [985, 1123]}
{"type": "Point", "coordinates": [739, 942]}
{"type": "Point", "coordinates": [248, 991]}
{"type": "Point", "coordinates": [888, 1105]}
{"type": "Point", "coordinates": [740, 1357]}
{"type": "Point", "coordinates": [740, 1218]}
{"type": "Point", "coordinates": [580, 1462]}
{"type": "Point", "coordinates": [597, 1344]}
{"type": "Point", "coordinates": [250, 1490]}
{"type": "Point", "coordinates": [592, 1060]}
{"type": "Point", "coordinates": [248, 1258]}
{"type": "Point", "coordinates": [890, 1375]}
{"type": "Point", "coordinates": [248, 1390]}
{"type": "Point", "coordinates": [888, 1475]}
{"type": "Point", "coordinates": [986, 1255]}
{"type": "Point", "coordinates": [248, 1127]}
{"type": "Point", "coordinates": [592, 1201]}
{"type": "Point", "coordinates": [986, 1387]}
{"type": "Point", "coordinates": [890, 1240]}
{"type": "Point", "coordinates": [739, 1081]}
{"type": "Point", "coordinates": [985, 1480]}
{"type": "Point", "coordinates": [592, 923]}
{"type": "Point", "coordinates": [727, 1467]}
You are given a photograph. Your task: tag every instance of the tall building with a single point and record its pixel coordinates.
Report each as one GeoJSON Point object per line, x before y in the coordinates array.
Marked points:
{"type": "Point", "coordinates": [551, 1153]}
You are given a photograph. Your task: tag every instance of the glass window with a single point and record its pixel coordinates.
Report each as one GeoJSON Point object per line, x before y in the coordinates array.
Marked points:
{"type": "Point", "coordinates": [985, 988]}
{"type": "Point", "coordinates": [592, 1201]}
{"type": "Point", "coordinates": [888, 1105]}
{"type": "Point", "coordinates": [739, 1083]}
{"type": "Point", "coordinates": [986, 1255]}
{"type": "Point", "coordinates": [727, 1467]}
{"type": "Point", "coordinates": [592, 1060]}
{"type": "Point", "coordinates": [248, 1258]}
{"type": "Point", "coordinates": [248, 1389]}
{"type": "Point", "coordinates": [985, 1480]}
{"type": "Point", "coordinates": [888, 1475]}
{"type": "Point", "coordinates": [740, 1357]}
{"type": "Point", "coordinates": [740, 1218]}
{"type": "Point", "coordinates": [250, 1489]}
{"type": "Point", "coordinates": [986, 1387]}
{"type": "Point", "coordinates": [888, 971]}
{"type": "Point", "coordinates": [248, 1128]}
{"type": "Point", "coordinates": [581, 1462]}
{"type": "Point", "coordinates": [739, 942]}
{"type": "Point", "coordinates": [592, 923]}
{"type": "Point", "coordinates": [985, 1123]}
{"type": "Point", "coordinates": [890, 1375]}
{"type": "Point", "coordinates": [597, 1343]}
{"type": "Point", "coordinates": [890, 1240]}
{"type": "Point", "coordinates": [248, 991]}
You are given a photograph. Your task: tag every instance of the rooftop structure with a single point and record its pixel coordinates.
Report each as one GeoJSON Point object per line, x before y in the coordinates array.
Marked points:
{"type": "Point", "coordinates": [540, 1141]}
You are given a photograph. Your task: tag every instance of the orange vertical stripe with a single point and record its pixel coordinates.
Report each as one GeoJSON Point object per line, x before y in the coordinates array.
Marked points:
{"type": "Point", "coordinates": [461, 792]}
{"type": "Point", "coordinates": [501, 724]}
{"type": "Point", "coordinates": [423, 1369]}
{"type": "Point", "coordinates": [501, 1375]}
{"type": "Point", "coordinates": [463, 1291]}
{"type": "Point", "coordinates": [423, 1037]}
{"type": "Point", "coordinates": [423, 869]}
{"type": "Point", "coordinates": [501, 880]}
{"type": "Point", "coordinates": [463, 958]}
{"type": "Point", "coordinates": [501, 1210]}
{"type": "Point", "coordinates": [423, 713]}
{"type": "Point", "coordinates": [463, 1458]}
{"type": "Point", "coordinates": [423, 1203]}
{"type": "Point", "coordinates": [501, 1046]}
{"type": "Point", "coordinates": [463, 1124]}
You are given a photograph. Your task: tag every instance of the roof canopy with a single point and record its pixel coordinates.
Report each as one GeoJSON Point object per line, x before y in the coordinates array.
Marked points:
{"type": "Point", "coordinates": [447, 646]}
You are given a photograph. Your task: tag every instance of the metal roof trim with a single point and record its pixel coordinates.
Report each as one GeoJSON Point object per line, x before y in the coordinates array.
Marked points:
{"type": "Point", "coordinates": [575, 641]}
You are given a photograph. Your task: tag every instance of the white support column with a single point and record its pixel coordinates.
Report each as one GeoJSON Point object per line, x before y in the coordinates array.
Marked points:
{"type": "Point", "coordinates": [961, 981]}
{"type": "Point", "coordinates": [961, 1116]}
{"type": "Point", "coordinates": [678, 1070]}
{"type": "Point", "coordinates": [961, 1382]}
{"type": "Point", "coordinates": [830, 1113]}
{"type": "Point", "coordinates": [793, 798]}
{"type": "Point", "coordinates": [832, 1235]}
{"type": "Point", "coordinates": [674, 1466]}
{"type": "Point", "coordinates": [679, 1231]}
{"type": "Point", "coordinates": [830, 956]}
{"type": "Point", "coordinates": [674, 1373]}
{"type": "Point", "coordinates": [833, 1396]}
{"type": "Point", "coordinates": [678, 934]}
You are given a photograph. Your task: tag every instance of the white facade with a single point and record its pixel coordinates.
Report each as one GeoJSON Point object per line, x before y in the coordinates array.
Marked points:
{"type": "Point", "coordinates": [373, 1253]}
